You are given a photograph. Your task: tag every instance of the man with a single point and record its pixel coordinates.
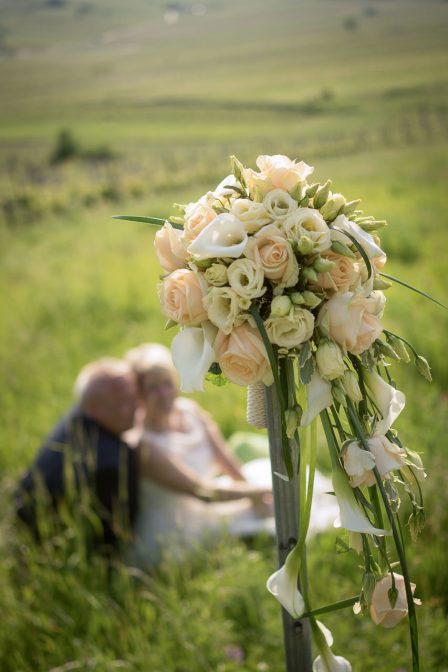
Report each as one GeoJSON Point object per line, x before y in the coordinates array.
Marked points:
{"type": "Point", "coordinates": [85, 467]}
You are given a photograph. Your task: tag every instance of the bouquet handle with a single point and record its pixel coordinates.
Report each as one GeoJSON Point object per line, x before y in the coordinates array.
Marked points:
{"type": "Point", "coordinates": [296, 633]}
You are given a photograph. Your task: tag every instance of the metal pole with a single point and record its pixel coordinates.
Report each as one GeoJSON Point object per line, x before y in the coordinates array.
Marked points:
{"type": "Point", "coordinates": [296, 633]}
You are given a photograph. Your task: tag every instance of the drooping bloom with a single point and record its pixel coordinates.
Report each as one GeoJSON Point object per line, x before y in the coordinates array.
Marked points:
{"type": "Point", "coordinates": [319, 397]}
{"type": "Point", "coordinates": [389, 400]}
{"type": "Point", "coordinates": [283, 586]}
{"type": "Point", "coordinates": [351, 515]}
{"type": "Point", "coordinates": [326, 661]}
{"type": "Point", "coordinates": [381, 610]}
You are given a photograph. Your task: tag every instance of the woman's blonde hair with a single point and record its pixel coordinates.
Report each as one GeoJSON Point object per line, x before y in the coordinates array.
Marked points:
{"type": "Point", "coordinates": [149, 357]}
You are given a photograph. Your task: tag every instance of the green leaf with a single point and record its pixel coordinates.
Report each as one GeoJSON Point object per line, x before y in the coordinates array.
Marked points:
{"type": "Point", "coordinates": [238, 190]}
{"type": "Point", "coordinates": [392, 594]}
{"type": "Point", "coordinates": [332, 607]}
{"type": "Point", "coordinates": [147, 220]}
{"type": "Point", "coordinates": [341, 546]}
{"type": "Point", "coordinates": [306, 371]}
{"type": "Point", "coordinates": [305, 353]}
{"type": "Point", "coordinates": [216, 379]}
{"type": "Point", "coordinates": [418, 291]}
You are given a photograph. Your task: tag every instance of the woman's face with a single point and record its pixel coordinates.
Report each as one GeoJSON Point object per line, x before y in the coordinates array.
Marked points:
{"type": "Point", "coordinates": [158, 391]}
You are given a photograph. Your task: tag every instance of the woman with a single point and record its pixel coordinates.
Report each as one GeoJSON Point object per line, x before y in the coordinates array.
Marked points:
{"type": "Point", "coordinates": [181, 429]}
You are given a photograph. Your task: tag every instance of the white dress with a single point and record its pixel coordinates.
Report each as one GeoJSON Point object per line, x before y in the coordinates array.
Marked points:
{"type": "Point", "coordinates": [175, 522]}
{"type": "Point", "coordinates": [169, 520]}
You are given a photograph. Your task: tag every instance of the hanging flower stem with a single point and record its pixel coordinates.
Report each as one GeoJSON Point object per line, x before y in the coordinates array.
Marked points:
{"type": "Point", "coordinates": [398, 544]}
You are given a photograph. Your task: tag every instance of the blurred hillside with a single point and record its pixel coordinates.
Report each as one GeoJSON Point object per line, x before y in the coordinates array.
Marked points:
{"type": "Point", "coordinates": [173, 88]}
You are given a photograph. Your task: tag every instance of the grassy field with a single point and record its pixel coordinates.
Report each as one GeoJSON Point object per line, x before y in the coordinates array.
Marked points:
{"type": "Point", "coordinates": [157, 96]}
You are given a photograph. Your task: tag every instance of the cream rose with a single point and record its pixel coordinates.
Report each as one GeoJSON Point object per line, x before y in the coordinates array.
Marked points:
{"type": "Point", "coordinates": [253, 215]}
{"type": "Point", "coordinates": [216, 274]}
{"type": "Point", "coordinates": [279, 204]}
{"type": "Point", "coordinates": [277, 172]}
{"type": "Point", "coordinates": [223, 307]}
{"type": "Point", "coordinates": [342, 277]}
{"type": "Point", "coordinates": [347, 319]}
{"type": "Point", "coordinates": [169, 248]}
{"type": "Point", "coordinates": [270, 250]}
{"type": "Point", "coordinates": [292, 330]}
{"type": "Point", "coordinates": [246, 278]}
{"type": "Point", "coordinates": [197, 217]}
{"type": "Point", "coordinates": [309, 223]}
{"type": "Point", "coordinates": [181, 297]}
{"type": "Point", "coordinates": [329, 360]}
{"type": "Point", "coordinates": [381, 610]}
{"type": "Point", "coordinates": [242, 356]}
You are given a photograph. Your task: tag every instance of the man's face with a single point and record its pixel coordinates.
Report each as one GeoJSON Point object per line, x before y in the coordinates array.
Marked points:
{"type": "Point", "coordinates": [117, 406]}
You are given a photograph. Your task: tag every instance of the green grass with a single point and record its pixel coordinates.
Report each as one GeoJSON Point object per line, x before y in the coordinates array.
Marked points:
{"type": "Point", "coordinates": [367, 107]}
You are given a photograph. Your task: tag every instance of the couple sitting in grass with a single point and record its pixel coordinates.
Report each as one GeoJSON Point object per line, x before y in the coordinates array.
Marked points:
{"type": "Point", "coordinates": [143, 465]}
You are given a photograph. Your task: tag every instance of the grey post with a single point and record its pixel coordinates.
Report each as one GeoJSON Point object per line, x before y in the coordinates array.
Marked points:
{"type": "Point", "coordinates": [297, 636]}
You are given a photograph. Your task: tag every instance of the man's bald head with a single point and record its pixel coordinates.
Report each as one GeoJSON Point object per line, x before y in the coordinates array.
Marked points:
{"type": "Point", "coordinates": [106, 392]}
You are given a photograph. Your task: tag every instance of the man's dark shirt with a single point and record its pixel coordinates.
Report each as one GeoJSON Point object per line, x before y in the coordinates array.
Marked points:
{"type": "Point", "coordinates": [80, 455]}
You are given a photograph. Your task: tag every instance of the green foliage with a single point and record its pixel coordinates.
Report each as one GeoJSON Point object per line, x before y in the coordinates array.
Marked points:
{"type": "Point", "coordinates": [66, 148]}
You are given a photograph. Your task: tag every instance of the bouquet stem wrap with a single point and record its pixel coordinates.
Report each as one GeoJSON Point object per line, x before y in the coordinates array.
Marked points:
{"type": "Point", "coordinates": [296, 632]}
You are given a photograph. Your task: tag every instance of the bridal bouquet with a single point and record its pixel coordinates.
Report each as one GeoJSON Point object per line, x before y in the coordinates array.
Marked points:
{"type": "Point", "coordinates": [278, 280]}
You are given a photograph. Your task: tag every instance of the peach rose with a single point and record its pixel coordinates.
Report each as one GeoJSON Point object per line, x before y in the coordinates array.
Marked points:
{"type": "Point", "coordinates": [242, 356]}
{"type": "Point", "coordinates": [347, 318]}
{"type": "Point", "coordinates": [197, 217]}
{"type": "Point", "coordinates": [342, 277]}
{"type": "Point", "coordinates": [277, 172]}
{"type": "Point", "coordinates": [181, 297]}
{"type": "Point", "coordinates": [269, 249]}
{"type": "Point", "coordinates": [169, 249]}
{"type": "Point", "coordinates": [381, 610]}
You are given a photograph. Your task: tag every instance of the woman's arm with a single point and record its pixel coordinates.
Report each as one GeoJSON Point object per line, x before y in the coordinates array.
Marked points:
{"type": "Point", "coordinates": [228, 462]}
{"type": "Point", "coordinates": [173, 474]}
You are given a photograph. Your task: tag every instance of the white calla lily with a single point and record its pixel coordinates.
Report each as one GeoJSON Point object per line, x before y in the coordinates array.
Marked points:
{"type": "Point", "coordinates": [223, 187]}
{"type": "Point", "coordinates": [365, 239]}
{"type": "Point", "coordinates": [351, 515]}
{"type": "Point", "coordinates": [225, 236]}
{"type": "Point", "coordinates": [328, 662]}
{"type": "Point", "coordinates": [192, 351]}
{"type": "Point", "coordinates": [389, 400]}
{"type": "Point", "coordinates": [283, 586]}
{"type": "Point", "coordinates": [318, 392]}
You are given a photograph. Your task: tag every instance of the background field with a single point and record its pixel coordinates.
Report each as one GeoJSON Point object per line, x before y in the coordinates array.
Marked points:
{"type": "Point", "coordinates": [155, 97]}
